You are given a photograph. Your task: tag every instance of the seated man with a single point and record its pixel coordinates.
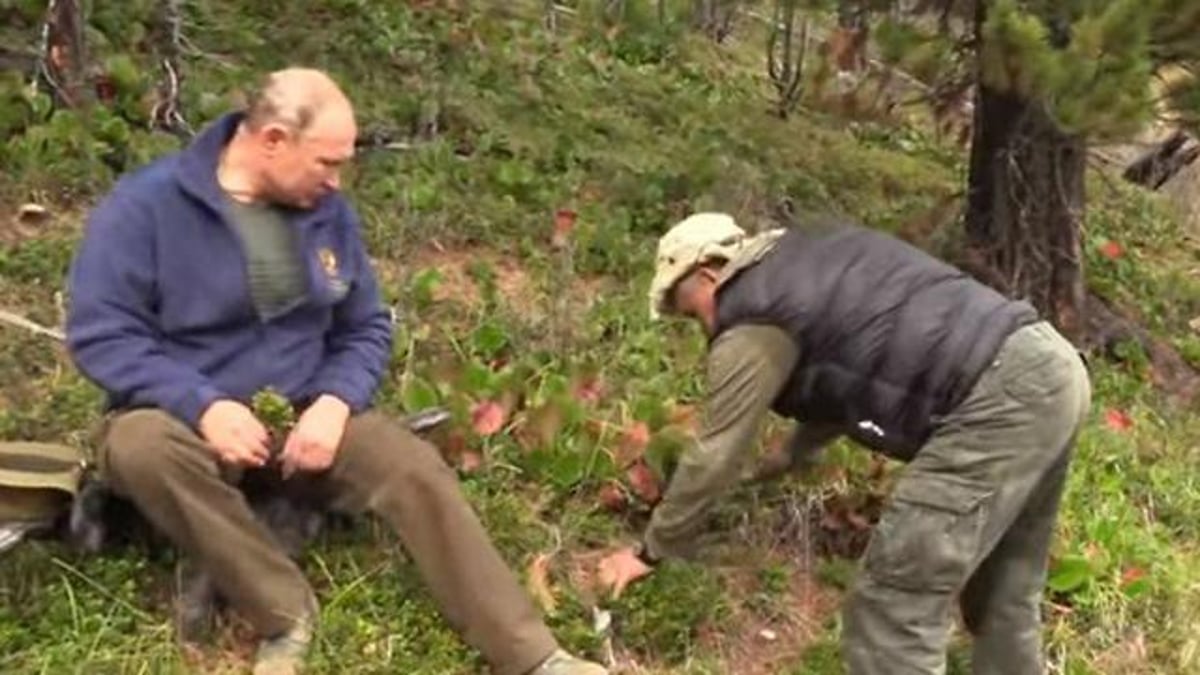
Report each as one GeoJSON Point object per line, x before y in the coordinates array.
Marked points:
{"type": "Point", "coordinates": [233, 266]}
{"type": "Point", "coordinates": [853, 332]}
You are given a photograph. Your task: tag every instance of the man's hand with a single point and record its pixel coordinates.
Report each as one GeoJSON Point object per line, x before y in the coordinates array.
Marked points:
{"type": "Point", "coordinates": [235, 434]}
{"type": "Point", "coordinates": [622, 568]}
{"type": "Point", "coordinates": [802, 452]}
{"type": "Point", "coordinates": [315, 439]}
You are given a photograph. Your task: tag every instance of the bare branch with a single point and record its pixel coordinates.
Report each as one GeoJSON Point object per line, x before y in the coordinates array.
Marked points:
{"type": "Point", "coordinates": [166, 114]}
{"type": "Point", "coordinates": [785, 65]}
{"type": "Point", "coordinates": [21, 322]}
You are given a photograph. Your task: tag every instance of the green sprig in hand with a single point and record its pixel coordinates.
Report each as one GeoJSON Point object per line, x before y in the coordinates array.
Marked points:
{"type": "Point", "coordinates": [277, 414]}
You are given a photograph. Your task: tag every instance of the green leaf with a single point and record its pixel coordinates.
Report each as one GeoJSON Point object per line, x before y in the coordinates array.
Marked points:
{"type": "Point", "coordinates": [1070, 573]}
{"type": "Point", "coordinates": [418, 394]}
{"type": "Point", "coordinates": [273, 410]}
{"type": "Point", "coordinates": [1136, 588]}
{"type": "Point", "coordinates": [422, 285]}
{"type": "Point", "coordinates": [478, 380]}
{"type": "Point", "coordinates": [489, 339]}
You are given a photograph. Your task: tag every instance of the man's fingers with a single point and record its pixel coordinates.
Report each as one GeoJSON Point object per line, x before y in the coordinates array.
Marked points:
{"type": "Point", "coordinates": [237, 454]}
{"type": "Point", "coordinates": [293, 455]}
{"type": "Point", "coordinates": [253, 444]}
{"type": "Point", "coordinates": [291, 447]}
{"type": "Point", "coordinates": [246, 452]}
{"type": "Point", "coordinates": [288, 468]}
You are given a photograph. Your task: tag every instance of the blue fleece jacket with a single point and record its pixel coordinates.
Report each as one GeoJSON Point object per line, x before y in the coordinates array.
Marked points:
{"type": "Point", "coordinates": [160, 312]}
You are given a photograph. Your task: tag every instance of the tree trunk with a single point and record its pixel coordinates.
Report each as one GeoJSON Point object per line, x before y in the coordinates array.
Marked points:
{"type": "Point", "coordinates": [66, 54]}
{"type": "Point", "coordinates": [1025, 206]}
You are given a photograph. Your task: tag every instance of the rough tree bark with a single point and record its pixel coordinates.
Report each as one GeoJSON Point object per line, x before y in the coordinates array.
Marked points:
{"type": "Point", "coordinates": [65, 57]}
{"type": "Point", "coordinates": [1025, 205]}
{"type": "Point", "coordinates": [715, 18]}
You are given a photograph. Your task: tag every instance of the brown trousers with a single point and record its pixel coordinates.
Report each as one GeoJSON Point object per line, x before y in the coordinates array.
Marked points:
{"type": "Point", "coordinates": [173, 477]}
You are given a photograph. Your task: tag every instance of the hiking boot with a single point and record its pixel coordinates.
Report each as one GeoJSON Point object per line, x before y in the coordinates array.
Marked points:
{"type": "Point", "coordinates": [563, 663]}
{"type": "Point", "coordinates": [284, 654]}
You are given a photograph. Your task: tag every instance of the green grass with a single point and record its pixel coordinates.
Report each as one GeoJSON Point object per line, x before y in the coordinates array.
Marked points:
{"type": "Point", "coordinates": [629, 129]}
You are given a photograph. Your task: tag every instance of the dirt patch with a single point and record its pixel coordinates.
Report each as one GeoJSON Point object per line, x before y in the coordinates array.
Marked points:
{"type": "Point", "coordinates": [466, 271]}
{"type": "Point", "coordinates": [1130, 656]}
{"type": "Point", "coordinates": [756, 642]}
{"type": "Point", "coordinates": [765, 632]}
{"type": "Point", "coordinates": [31, 220]}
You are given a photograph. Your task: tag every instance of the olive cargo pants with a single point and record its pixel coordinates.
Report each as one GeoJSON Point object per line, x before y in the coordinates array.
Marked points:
{"type": "Point", "coordinates": [972, 517]}
{"type": "Point", "coordinates": [164, 468]}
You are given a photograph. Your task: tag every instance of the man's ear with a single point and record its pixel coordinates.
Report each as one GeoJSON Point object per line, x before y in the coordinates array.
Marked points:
{"type": "Point", "coordinates": [709, 273]}
{"type": "Point", "coordinates": [274, 136]}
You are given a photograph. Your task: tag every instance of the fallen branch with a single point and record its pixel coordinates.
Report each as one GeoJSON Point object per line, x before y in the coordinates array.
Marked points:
{"type": "Point", "coordinates": [1109, 328]}
{"type": "Point", "coordinates": [387, 139]}
{"type": "Point", "coordinates": [21, 322]}
{"type": "Point", "coordinates": [1163, 161]}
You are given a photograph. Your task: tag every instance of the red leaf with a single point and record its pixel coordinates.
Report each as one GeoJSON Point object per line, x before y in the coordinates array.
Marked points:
{"type": "Point", "coordinates": [106, 91]}
{"type": "Point", "coordinates": [1131, 574]}
{"type": "Point", "coordinates": [1118, 420]}
{"type": "Point", "coordinates": [455, 444]}
{"type": "Point", "coordinates": [638, 435]}
{"type": "Point", "coordinates": [643, 482]}
{"type": "Point", "coordinates": [487, 418]}
{"type": "Point", "coordinates": [564, 223]}
{"type": "Point", "coordinates": [612, 497]}
{"type": "Point", "coordinates": [590, 390]}
{"type": "Point", "coordinates": [470, 461]}
{"type": "Point", "coordinates": [1111, 250]}
{"type": "Point", "coordinates": [633, 443]}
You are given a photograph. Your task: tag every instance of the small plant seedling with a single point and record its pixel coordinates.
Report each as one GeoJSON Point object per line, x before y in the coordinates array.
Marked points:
{"type": "Point", "coordinates": [276, 413]}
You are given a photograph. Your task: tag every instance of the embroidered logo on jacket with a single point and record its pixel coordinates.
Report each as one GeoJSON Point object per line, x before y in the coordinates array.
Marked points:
{"type": "Point", "coordinates": [329, 263]}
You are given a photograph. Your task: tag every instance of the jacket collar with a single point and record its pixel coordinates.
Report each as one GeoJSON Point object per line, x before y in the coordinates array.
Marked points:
{"type": "Point", "coordinates": [197, 170]}
{"type": "Point", "coordinates": [197, 167]}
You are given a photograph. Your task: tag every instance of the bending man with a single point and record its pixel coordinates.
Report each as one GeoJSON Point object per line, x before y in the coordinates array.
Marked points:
{"type": "Point", "coordinates": [854, 333]}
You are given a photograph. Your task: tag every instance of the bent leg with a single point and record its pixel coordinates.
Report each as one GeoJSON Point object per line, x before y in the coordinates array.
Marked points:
{"type": "Point", "coordinates": [1002, 601]}
{"type": "Point", "coordinates": [383, 468]}
{"type": "Point", "coordinates": [994, 465]}
{"type": "Point", "coordinates": [168, 472]}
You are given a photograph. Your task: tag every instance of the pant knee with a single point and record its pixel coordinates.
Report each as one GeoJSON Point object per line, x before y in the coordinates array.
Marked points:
{"type": "Point", "coordinates": [140, 447]}
{"type": "Point", "coordinates": [386, 461]}
{"type": "Point", "coordinates": [894, 630]}
{"type": "Point", "coordinates": [417, 469]}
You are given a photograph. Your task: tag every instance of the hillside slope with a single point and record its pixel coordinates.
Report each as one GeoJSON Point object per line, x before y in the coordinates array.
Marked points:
{"type": "Point", "coordinates": [482, 127]}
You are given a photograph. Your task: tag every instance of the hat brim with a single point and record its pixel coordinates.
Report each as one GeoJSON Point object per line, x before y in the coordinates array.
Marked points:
{"type": "Point", "coordinates": [664, 282]}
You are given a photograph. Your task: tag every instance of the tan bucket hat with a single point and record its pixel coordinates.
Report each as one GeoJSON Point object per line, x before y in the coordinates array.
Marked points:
{"type": "Point", "coordinates": [692, 241]}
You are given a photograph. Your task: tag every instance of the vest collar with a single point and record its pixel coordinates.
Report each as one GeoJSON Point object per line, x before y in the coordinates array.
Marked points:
{"type": "Point", "coordinates": [751, 252]}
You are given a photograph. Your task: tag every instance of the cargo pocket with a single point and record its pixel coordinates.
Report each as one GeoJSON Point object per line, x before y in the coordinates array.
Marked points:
{"type": "Point", "coordinates": [929, 534]}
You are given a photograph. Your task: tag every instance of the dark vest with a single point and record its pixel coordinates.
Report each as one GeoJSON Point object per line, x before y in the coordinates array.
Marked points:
{"type": "Point", "coordinates": [889, 336]}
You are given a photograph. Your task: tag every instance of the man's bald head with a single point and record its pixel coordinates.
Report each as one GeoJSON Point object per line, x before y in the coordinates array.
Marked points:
{"type": "Point", "coordinates": [297, 133]}
{"type": "Point", "coordinates": [295, 98]}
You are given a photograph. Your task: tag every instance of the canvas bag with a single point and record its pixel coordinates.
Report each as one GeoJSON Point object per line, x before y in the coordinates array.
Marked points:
{"type": "Point", "coordinates": [38, 483]}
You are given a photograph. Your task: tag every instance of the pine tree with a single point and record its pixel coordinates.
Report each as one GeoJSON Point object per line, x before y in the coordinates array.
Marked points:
{"type": "Point", "coordinates": [1051, 77]}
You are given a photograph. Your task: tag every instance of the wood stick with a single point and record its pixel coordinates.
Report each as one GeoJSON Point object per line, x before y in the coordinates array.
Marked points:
{"type": "Point", "coordinates": [31, 326]}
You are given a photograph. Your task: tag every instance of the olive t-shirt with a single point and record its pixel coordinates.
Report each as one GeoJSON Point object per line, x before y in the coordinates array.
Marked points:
{"type": "Point", "coordinates": [273, 261]}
